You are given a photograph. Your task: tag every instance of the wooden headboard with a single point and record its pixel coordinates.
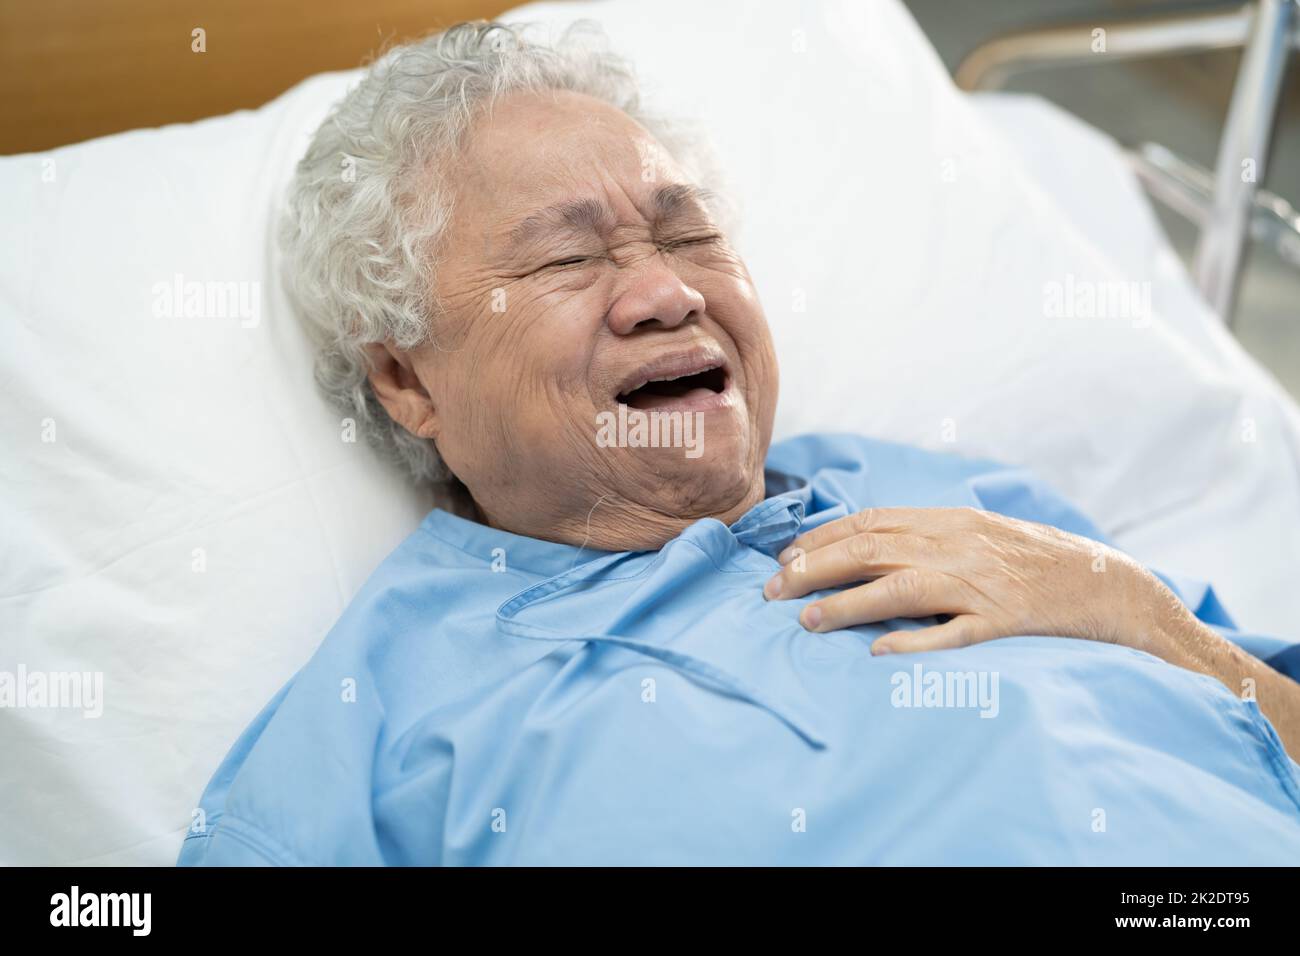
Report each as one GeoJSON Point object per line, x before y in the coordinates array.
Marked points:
{"type": "Point", "coordinates": [75, 69]}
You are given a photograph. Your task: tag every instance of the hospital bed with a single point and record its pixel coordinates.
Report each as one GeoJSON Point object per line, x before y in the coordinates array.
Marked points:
{"type": "Point", "coordinates": [183, 514]}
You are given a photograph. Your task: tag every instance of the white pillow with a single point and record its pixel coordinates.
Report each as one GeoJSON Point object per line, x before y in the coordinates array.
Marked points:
{"type": "Point", "coordinates": [180, 510]}
{"type": "Point", "coordinates": [183, 514]}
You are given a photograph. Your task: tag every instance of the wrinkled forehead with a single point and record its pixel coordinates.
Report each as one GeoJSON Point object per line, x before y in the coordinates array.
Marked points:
{"type": "Point", "coordinates": [563, 158]}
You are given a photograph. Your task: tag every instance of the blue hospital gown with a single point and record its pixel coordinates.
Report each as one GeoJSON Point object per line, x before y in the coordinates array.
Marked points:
{"type": "Point", "coordinates": [493, 699]}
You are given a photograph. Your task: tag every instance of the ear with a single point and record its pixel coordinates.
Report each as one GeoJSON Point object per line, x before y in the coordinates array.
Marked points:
{"type": "Point", "coordinates": [399, 389]}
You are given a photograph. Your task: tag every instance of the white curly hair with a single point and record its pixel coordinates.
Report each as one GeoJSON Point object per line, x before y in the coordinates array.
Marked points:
{"type": "Point", "coordinates": [370, 198]}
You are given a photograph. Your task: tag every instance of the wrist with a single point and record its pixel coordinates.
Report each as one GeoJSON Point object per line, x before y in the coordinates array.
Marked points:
{"type": "Point", "coordinates": [1158, 622]}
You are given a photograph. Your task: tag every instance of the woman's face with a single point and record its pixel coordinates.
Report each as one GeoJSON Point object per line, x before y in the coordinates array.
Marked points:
{"type": "Point", "coordinates": [581, 271]}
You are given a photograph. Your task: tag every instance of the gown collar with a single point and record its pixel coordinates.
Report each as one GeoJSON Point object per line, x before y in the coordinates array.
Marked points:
{"type": "Point", "coordinates": [767, 527]}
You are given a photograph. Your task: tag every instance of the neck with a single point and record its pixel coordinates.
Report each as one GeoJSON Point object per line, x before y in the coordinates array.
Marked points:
{"type": "Point", "coordinates": [615, 523]}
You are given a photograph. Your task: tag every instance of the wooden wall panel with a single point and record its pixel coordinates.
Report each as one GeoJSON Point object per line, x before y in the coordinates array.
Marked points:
{"type": "Point", "coordinates": [74, 69]}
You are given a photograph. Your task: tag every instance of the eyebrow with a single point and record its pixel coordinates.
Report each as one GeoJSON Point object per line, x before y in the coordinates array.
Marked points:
{"type": "Point", "coordinates": [592, 215]}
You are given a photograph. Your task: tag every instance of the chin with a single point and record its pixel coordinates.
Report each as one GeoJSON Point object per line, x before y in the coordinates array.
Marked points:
{"type": "Point", "coordinates": [723, 482]}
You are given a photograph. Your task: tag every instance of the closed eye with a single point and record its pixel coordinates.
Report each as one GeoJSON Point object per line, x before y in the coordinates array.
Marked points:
{"type": "Point", "coordinates": [670, 244]}
{"type": "Point", "coordinates": [571, 261]}
{"type": "Point", "coordinates": [692, 241]}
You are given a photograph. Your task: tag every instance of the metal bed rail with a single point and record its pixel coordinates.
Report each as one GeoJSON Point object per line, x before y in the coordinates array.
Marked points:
{"type": "Point", "coordinates": [1226, 204]}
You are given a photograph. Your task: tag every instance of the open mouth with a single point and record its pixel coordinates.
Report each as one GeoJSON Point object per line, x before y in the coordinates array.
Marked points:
{"type": "Point", "coordinates": [677, 390]}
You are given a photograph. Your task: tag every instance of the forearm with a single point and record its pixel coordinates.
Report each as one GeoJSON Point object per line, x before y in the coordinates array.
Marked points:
{"type": "Point", "coordinates": [1175, 635]}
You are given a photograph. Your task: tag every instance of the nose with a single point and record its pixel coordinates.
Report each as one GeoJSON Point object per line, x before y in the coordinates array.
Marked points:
{"type": "Point", "coordinates": [655, 295]}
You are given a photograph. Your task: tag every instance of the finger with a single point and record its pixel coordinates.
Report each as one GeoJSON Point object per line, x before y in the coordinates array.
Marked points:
{"type": "Point", "coordinates": [881, 521]}
{"type": "Point", "coordinates": [911, 592]}
{"type": "Point", "coordinates": [847, 561]}
{"type": "Point", "coordinates": [961, 631]}
{"type": "Point", "coordinates": [867, 521]}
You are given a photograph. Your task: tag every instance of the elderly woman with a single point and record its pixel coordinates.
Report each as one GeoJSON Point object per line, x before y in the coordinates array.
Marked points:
{"type": "Point", "coordinates": [634, 633]}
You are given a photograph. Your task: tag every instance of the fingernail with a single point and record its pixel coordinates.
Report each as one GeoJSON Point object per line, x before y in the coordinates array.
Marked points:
{"type": "Point", "coordinates": [812, 616]}
{"type": "Point", "coordinates": [772, 589]}
{"type": "Point", "coordinates": [785, 556]}
{"type": "Point", "coordinates": [879, 648]}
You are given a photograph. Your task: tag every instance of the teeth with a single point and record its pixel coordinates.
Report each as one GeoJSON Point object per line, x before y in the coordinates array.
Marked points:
{"type": "Point", "coordinates": [674, 378]}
